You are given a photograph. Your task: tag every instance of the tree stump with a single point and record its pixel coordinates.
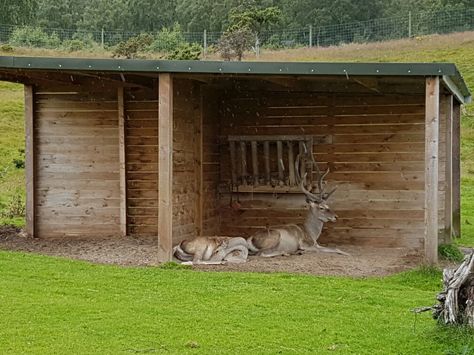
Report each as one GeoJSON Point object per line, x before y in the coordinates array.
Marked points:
{"type": "Point", "coordinates": [456, 301]}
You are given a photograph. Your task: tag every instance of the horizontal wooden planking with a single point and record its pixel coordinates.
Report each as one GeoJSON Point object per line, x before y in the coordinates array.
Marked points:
{"type": "Point", "coordinates": [85, 201]}
{"type": "Point", "coordinates": [328, 120]}
{"type": "Point", "coordinates": [75, 106]}
{"type": "Point", "coordinates": [77, 230]}
{"type": "Point", "coordinates": [77, 211]}
{"type": "Point", "coordinates": [322, 129]}
{"type": "Point", "coordinates": [285, 99]}
{"type": "Point", "coordinates": [143, 231]}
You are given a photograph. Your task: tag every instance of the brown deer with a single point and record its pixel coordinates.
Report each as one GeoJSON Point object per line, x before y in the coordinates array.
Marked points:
{"type": "Point", "coordinates": [211, 250]}
{"type": "Point", "coordinates": [291, 238]}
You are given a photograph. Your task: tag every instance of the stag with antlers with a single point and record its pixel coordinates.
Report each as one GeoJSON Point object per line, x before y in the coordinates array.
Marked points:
{"type": "Point", "coordinates": [291, 238]}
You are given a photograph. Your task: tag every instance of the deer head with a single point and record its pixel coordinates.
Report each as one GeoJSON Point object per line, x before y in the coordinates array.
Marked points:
{"type": "Point", "coordinates": [318, 207]}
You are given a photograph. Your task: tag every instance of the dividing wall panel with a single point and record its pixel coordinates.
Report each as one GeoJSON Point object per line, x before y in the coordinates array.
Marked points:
{"type": "Point", "coordinates": [141, 145]}
{"type": "Point", "coordinates": [77, 175]}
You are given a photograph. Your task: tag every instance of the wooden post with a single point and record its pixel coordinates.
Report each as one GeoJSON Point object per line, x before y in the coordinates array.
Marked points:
{"type": "Point", "coordinates": [280, 160]}
{"type": "Point", "coordinates": [431, 169]}
{"type": "Point", "coordinates": [456, 174]}
{"type": "Point", "coordinates": [243, 154]}
{"type": "Point", "coordinates": [122, 162]}
{"type": "Point", "coordinates": [291, 165]}
{"type": "Point", "coordinates": [447, 102]}
{"type": "Point", "coordinates": [165, 169]}
{"type": "Point", "coordinates": [254, 162]}
{"type": "Point", "coordinates": [30, 163]}
{"type": "Point", "coordinates": [266, 153]}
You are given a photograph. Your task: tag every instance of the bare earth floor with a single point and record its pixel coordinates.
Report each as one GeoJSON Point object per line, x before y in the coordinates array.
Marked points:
{"type": "Point", "coordinates": [141, 252]}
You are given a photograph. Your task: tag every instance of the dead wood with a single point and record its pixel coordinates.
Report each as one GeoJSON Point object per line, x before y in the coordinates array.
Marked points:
{"type": "Point", "coordinates": [456, 301]}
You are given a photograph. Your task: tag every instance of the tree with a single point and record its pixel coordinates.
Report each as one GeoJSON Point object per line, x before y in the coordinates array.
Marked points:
{"type": "Point", "coordinates": [18, 12]}
{"type": "Point", "coordinates": [234, 43]}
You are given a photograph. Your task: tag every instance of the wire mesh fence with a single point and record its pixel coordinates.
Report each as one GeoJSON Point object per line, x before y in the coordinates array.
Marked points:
{"type": "Point", "coordinates": [412, 25]}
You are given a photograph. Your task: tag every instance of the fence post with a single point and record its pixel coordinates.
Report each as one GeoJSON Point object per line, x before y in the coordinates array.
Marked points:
{"type": "Point", "coordinates": [102, 38]}
{"type": "Point", "coordinates": [409, 24]}
{"type": "Point", "coordinates": [310, 36]}
{"type": "Point", "coordinates": [257, 46]}
{"type": "Point", "coordinates": [204, 39]}
{"type": "Point", "coordinates": [317, 37]}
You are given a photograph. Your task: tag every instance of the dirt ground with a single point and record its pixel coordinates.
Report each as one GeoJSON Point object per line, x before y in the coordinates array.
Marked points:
{"type": "Point", "coordinates": [142, 252]}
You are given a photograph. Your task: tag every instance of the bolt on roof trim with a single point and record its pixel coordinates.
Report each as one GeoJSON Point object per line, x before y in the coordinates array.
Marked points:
{"type": "Point", "coordinates": [447, 70]}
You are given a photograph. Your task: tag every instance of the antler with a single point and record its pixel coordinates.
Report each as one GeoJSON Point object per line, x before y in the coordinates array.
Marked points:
{"type": "Point", "coordinates": [321, 195]}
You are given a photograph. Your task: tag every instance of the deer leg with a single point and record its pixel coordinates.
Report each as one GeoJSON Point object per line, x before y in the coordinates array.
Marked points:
{"type": "Point", "coordinates": [270, 253]}
{"type": "Point", "coordinates": [203, 262]}
{"type": "Point", "coordinates": [319, 248]}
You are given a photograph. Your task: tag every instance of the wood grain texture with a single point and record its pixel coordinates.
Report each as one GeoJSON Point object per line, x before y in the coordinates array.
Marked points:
{"type": "Point", "coordinates": [431, 169]}
{"type": "Point", "coordinates": [165, 174]}
{"type": "Point", "coordinates": [30, 158]}
{"type": "Point", "coordinates": [78, 178]}
{"type": "Point", "coordinates": [447, 103]}
{"type": "Point", "coordinates": [122, 162]}
{"type": "Point", "coordinates": [456, 174]}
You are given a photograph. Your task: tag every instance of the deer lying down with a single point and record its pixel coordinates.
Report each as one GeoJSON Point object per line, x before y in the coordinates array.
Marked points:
{"type": "Point", "coordinates": [211, 250]}
{"type": "Point", "coordinates": [292, 238]}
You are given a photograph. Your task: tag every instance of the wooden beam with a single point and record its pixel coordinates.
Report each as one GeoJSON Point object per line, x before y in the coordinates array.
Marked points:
{"type": "Point", "coordinates": [456, 174]}
{"type": "Point", "coordinates": [30, 163]}
{"type": "Point", "coordinates": [447, 103]}
{"type": "Point", "coordinates": [165, 169]}
{"type": "Point", "coordinates": [122, 162]}
{"type": "Point", "coordinates": [431, 169]}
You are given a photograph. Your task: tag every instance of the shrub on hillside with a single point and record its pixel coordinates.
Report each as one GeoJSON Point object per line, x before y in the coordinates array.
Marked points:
{"type": "Point", "coordinates": [7, 48]}
{"type": "Point", "coordinates": [130, 48]}
{"type": "Point", "coordinates": [186, 51]}
{"type": "Point", "coordinates": [28, 36]}
{"type": "Point", "coordinates": [168, 39]}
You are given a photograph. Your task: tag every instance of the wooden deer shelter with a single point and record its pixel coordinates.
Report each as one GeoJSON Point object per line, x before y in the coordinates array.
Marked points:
{"type": "Point", "coordinates": [175, 149]}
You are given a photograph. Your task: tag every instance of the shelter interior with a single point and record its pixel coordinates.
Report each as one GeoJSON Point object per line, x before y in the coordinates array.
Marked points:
{"type": "Point", "coordinates": [96, 140]}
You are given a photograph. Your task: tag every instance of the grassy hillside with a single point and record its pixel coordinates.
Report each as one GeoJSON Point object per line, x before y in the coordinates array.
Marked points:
{"type": "Point", "coordinates": [12, 142]}
{"type": "Point", "coordinates": [457, 48]}
{"type": "Point", "coordinates": [62, 306]}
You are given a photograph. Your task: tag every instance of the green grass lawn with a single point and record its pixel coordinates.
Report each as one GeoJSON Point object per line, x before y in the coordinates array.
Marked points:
{"type": "Point", "coordinates": [57, 306]}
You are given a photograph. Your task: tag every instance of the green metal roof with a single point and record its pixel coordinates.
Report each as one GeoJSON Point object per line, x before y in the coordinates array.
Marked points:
{"type": "Point", "coordinates": [447, 71]}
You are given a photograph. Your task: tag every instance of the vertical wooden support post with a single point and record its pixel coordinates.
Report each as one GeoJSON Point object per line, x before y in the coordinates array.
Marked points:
{"type": "Point", "coordinates": [280, 161]}
{"type": "Point", "coordinates": [198, 166]}
{"type": "Point", "coordinates": [291, 165]}
{"type": "Point", "coordinates": [122, 162]}
{"type": "Point", "coordinates": [302, 163]}
{"type": "Point", "coordinates": [165, 168]}
{"type": "Point", "coordinates": [243, 154]}
{"type": "Point", "coordinates": [266, 153]}
{"type": "Point", "coordinates": [30, 164]}
{"type": "Point", "coordinates": [456, 174]}
{"type": "Point", "coordinates": [447, 102]}
{"type": "Point", "coordinates": [254, 162]}
{"type": "Point", "coordinates": [431, 169]}
{"type": "Point", "coordinates": [233, 162]}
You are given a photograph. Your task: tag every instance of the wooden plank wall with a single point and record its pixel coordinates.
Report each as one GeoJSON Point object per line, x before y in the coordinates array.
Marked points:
{"type": "Point", "coordinates": [187, 108]}
{"type": "Point", "coordinates": [211, 162]}
{"type": "Point", "coordinates": [141, 138]}
{"type": "Point", "coordinates": [77, 187]}
{"type": "Point", "coordinates": [374, 146]}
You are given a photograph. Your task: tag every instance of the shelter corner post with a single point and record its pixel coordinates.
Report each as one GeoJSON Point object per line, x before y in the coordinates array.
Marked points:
{"type": "Point", "coordinates": [431, 169]}
{"type": "Point", "coordinates": [165, 168]}
{"type": "Point", "coordinates": [447, 110]}
{"type": "Point", "coordinates": [30, 165]}
{"type": "Point", "coordinates": [456, 172]}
